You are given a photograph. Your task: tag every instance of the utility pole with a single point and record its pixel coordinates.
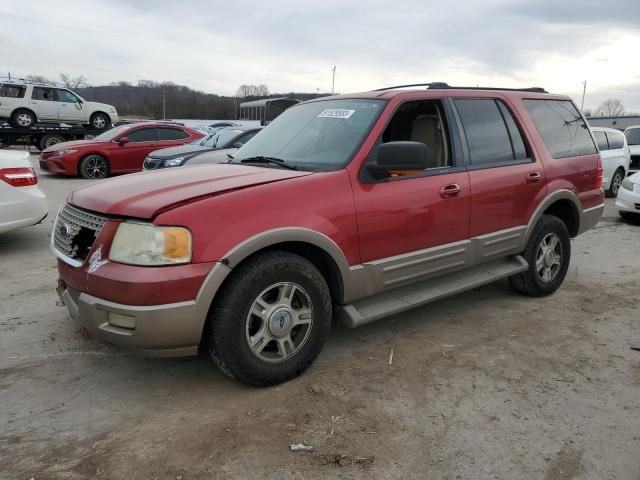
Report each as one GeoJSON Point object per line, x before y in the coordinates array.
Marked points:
{"type": "Point", "coordinates": [333, 81]}
{"type": "Point", "coordinates": [584, 90]}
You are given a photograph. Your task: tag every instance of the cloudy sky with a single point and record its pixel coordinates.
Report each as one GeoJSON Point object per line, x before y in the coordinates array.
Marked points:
{"type": "Point", "coordinates": [291, 45]}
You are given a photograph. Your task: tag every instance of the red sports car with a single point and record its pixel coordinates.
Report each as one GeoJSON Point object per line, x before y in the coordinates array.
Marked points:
{"type": "Point", "coordinates": [119, 150]}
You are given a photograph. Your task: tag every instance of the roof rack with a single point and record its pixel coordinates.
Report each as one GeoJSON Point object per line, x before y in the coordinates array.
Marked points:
{"type": "Point", "coordinates": [13, 79]}
{"type": "Point", "coordinates": [443, 85]}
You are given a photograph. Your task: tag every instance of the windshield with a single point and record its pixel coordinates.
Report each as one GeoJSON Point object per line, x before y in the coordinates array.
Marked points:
{"type": "Point", "coordinates": [633, 136]}
{"type": "Point", "coordinates": [316, 136]}
{"type": "Point", "coordinates": [208, 141]}
{"type": "Point", "coordinates": [225, 135]}
{"type": "Point", "coordinates": [111, 134]}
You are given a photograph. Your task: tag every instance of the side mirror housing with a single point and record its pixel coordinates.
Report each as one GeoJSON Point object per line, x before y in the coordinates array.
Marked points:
{"type": "Point", "coordinates": [123, 141]}
{"type": "Point", "coordinates": [399, 156]}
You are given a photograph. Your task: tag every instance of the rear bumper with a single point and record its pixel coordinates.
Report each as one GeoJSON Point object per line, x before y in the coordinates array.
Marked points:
{"type": "Point", "coordinates": [170, 330]}
{"type": "Point", "coordinates": [590, 217]}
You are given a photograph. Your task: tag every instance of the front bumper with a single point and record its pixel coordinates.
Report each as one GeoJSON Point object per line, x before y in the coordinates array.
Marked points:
{"type": "Point", "coordinates": [628, 201]}
{"type": "Point", "coordinates": [62, 164]}
{"type": "Point", "coordinates": [171, 330]}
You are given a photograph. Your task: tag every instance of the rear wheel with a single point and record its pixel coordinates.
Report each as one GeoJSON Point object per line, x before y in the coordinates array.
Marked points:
{"type": "Point", "coordinates": [94, 167]}
{"type": "Point", "coordinates": [270, 319]}
{"type": "Point", "coordinates": [616, 181]}
{"type": "Point", "coordinates": [23, 118]}
{"type": "Point", "coordinates": [548, 253]}
{"type": "Point", "coordinates": [99, 121]}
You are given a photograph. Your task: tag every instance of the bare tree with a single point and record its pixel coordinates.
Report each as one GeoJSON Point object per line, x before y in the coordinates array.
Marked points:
{"type": "Point", "coordinates": [611, 107]}
{"type": "Point", "coordinates": [247, 91]}
{"type": "Point", "coordinates": [73, 82]}
{"type": "Point", "coordinates": [38, 79]}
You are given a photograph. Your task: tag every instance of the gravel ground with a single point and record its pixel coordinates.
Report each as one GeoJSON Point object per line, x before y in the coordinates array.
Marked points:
{"type": "Point", "coordinates": [486, 385]}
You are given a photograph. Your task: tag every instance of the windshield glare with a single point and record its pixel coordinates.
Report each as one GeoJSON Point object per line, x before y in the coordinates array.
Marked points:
{"type": "Point", "coordinates": [317, 136]}
{"type": "Point", "coordinates": [111, 134]}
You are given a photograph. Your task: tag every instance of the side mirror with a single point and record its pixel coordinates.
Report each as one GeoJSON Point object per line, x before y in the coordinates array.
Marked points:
{"type": "Point", "coordinates": [399, 156]}
{"type": "Point", "coordinates": [123, 141]}
{"type": "Point", "coordinates": [238, 145]}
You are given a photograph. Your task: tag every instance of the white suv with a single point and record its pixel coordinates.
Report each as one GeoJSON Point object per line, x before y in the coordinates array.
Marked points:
{"type": "Point", "coordinates": [615, 156]}
{"type": "Point", "coordinates": [25, 103]}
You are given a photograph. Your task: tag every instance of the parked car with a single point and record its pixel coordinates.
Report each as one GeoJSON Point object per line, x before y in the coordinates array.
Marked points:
{"type": "Point", "coordinates": [633, 139]}
{"type": "Point", "coordinates": [615, 156]}
{"type": "Point", "coordinates": [22, 203]}
{"type": "Point", "coordinates": [224, 138]}
{"type": "Point", "coordinates": [24, 103]}
{"type": "Point", "coordinates": [362, 206]}
{"type": "Point", "coordinates": [628, 201]}
{"type": "Point", "coordinates": [119, 150]}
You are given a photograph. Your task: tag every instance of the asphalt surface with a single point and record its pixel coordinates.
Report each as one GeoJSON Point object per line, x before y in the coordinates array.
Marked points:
{"type": "Point", "coordinates": [486, 385]}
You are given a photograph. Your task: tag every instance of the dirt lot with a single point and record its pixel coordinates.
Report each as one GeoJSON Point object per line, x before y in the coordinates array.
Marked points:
{"type": "Point", "coordinates": [486, 385]}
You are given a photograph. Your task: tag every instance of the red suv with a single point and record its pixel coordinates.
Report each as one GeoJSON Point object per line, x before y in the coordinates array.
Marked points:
{"type": "Point", "coordinates": [119, 150]}
{"type": "Point", "coordinates": [353, 207]}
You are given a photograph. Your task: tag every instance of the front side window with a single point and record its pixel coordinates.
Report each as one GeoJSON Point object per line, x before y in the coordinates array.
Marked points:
{"type": "Point", "coordinates": [43, 93]}
{"type": "Point", "coordinates": [224, 136]}
{"type": "Point", "coordinates": [616, 140]}
{"type": "Point", "coordinates": [171, 134]}
{"type": "Point", "coordinates": [601, 140]}
{"type": "Point", "coordinates": [492, 134]}
{"type": "Point", "coordinates": [246, 137]}
{"type": "Point", "coordinates": [564, 131]}
{"type": "Point", "coordinates": [66, 96]}
{"type": "Point", "coordinates": [12, 91]}
{"type": "Point", "coordinates": [316, 136]}
{"type": "Point", "coordinates": [142, 135]}
{"type": "Point", "coordinates": [633, 136]}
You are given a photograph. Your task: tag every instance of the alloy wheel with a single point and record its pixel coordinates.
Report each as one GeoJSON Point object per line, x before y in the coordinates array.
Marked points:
{"type": "Point", "coordinates": [549, 257]}
{"type": "Point", "coordinates": [616, 181]}
{"type": "Point", "coordinates": [95, 167]}
{"type": "Point", "coordinates": [24, 120]}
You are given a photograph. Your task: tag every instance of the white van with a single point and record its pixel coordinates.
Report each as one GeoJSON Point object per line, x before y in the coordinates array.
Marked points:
{"type": "Point", "coordinates": [616, 158]}
{"type": "Point", "coordinates": [24, 103]}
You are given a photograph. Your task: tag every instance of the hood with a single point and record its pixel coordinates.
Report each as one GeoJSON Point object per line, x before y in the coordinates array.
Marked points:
{"type": "Point", "coordinates": [15, 159]}
{"type": "Point", "coordinates": [173, 152]}
{"type": "Point", "coordinates": [71, 144]}
{"type": "Point", "coordinates": [634, 149]}
{"type": "Point", "coordinates": [101, 106]}
{"type": "Point", "coordinates": [145, 195]}
{"type": "Point", "coordinates": [214, 156]}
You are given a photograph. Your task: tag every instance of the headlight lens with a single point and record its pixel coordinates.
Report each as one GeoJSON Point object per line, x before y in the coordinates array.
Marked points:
{"type": "Point", "coordinates": [627, 184]}
{"type": "Point", "coordinates": [63, 152]}
{"type": "Point", "coordinates": [174, 162]}
{"type": "Point", "coordinates": [151, 245]}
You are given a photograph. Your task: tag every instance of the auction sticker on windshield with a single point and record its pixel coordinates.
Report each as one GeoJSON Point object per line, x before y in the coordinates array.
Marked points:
{"type": "Point", "coordinates": [336, 113]}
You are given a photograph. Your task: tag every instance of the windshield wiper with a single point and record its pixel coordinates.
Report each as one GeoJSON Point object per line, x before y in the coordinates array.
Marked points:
{"type": "Point", "coordinates": [271, 160]}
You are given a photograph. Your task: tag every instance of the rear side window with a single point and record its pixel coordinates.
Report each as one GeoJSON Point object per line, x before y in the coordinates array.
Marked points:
{"type": "Point", "coordinates": [564, 131]}
{"type": "Point", "coordinates": [633, 136]}
{"type": "Point", "coordinates": [142, 135]}
{"type": "Point", "coordinates": [12, 91]}
{"type": "Point", "coordinates": [601, 140]}
{"type": "Point", "coordinates": [492, 134]}
{"type": "Point", "coordinates": [172, 134]}
{"type": "Point", "coordinates": [616, 140]}
{"type": "Point", "coordinates": [43, 93]}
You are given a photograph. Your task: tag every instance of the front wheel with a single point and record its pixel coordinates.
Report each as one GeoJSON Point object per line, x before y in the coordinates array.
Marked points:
{"type": "Point", "coordinates": [94, 167]}
{"type": "Point", "coordinates": [548, 253]}
{"type": "Point", "coordinates": [99, 121]}
{"type": "Point", "coordinates": [270, 319]}
{"type": "Point", "coordinates": [616, 181]}
{"type": "Point", "coordinates": [23, 118]}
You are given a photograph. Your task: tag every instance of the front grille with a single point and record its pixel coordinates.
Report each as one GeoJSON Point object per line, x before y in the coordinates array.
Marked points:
{"type": "Point", "coordinates": [75, 231]}
{"type": "Point", "coordinates": [635, 163]}
{"type": "Point", "coordinates": [151, 163]}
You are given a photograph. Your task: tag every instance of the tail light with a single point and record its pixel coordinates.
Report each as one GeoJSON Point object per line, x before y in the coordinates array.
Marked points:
{"type": "Point", "coordinates": [18, 177]}
{"type": "Point", "coordinates": [599, 174]}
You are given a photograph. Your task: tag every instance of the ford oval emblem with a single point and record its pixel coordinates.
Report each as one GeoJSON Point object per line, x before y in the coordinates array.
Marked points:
{"type": "Point", "coordinates": [65, 230]}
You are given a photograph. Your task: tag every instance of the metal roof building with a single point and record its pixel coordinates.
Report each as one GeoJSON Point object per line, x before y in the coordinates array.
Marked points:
{"type": "Point", "coordinates": [266, 109]}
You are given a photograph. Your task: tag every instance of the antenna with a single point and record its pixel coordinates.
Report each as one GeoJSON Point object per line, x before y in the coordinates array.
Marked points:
{"type": "Point", "coordinates": [333, 82]}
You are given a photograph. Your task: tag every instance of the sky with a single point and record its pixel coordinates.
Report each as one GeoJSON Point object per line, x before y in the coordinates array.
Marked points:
{"type": "Point", "coordinates": [292, 45]}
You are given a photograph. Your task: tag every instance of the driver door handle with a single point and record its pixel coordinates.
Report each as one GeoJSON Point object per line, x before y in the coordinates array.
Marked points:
{"type": "Point", "coordinates": [450, 191]}
{"type": "Point", "coordinates": [534, 177]}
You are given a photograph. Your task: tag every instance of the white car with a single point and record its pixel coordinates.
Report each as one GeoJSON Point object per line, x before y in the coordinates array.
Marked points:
{"type": "Point", "coordinates": [633, 139]}
{"type": "Point", "coordinates": [628, 201]}
{"type": "Point", "coordinates": [616, 158]}
{"type": "Point", "coordinates": [22, 203]}
{"type": "Point", "coordinates": [24, 103]}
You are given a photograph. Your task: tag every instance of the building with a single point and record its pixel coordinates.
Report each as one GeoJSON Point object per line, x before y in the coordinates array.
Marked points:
{"type": "Point", "coordinates": [266, 109]}
{"type": "Point", "coordinates": [619, 122]}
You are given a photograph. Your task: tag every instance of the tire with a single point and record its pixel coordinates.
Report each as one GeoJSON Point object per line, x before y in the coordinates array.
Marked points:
{"type": "Point", "coordinates": [23, 118]}
{"type": "Point", "coordinates": [49, 141]}
{"type": "Point", "coordinates": [614, 185]}
{"type": "Point", "coordinates": [252, 306]}
{"type": "Point", "coordinates": [633, 218]}
{"type": "Point", "coordinates": [546, 270]}
{"type": "Point", "coordinates": [99, 121]}
{"type": "Point", "coordinates": [93, 167]}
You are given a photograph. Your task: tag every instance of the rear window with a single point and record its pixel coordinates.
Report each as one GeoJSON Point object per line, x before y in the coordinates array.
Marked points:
{"type": "Point", "coordinates": [633, 136]}
{"type": "Point", "coordinates": [12, 91]}
{"type": "Point", "coordinates": [601, 140]}
{"type": "Point", "coordinates": [171, 134]}
{"type": "Point", "coordinates": [616, 140]}
{"type": "Point", "coordinates": [564, 131]}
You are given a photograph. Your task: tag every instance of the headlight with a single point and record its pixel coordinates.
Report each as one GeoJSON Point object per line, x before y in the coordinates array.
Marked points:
{"type": "Point", "coordinates": [627, 184]}
{"type": "Point", "coordinates": [147, 244]}
{"type": "Point", "coordinates": [173, 162]}
{"type": "Point", "coordinates": [62, 152]}
{"type": "Point", "coordinates": [113, 110]}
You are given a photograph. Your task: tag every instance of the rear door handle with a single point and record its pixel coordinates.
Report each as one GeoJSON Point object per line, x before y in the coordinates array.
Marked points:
{"type": "Point", "coordinates": [534, 177]}
{"type": "Point", "coordinates": [450, 191]}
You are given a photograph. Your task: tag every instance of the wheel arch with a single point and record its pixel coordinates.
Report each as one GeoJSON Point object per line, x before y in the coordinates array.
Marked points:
{"type": "Point", "coordinates": [93, 114]}
{"type": "Point", "coordinates": [563, 204]}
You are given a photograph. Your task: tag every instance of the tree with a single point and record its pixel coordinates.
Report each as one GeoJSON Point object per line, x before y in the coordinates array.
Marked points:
{"type": "Point", "coordinates": [73, 82]}
{"type": "Point", "coordinates": [611, 107]}
{"type": "Point", "coordinates": [248, 91]}
{"type": "Point", "coordinates": [38, 79]}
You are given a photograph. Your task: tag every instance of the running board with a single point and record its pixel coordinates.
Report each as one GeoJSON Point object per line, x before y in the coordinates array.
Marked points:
{"type": "Point", "coordinates": [405, 298]}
